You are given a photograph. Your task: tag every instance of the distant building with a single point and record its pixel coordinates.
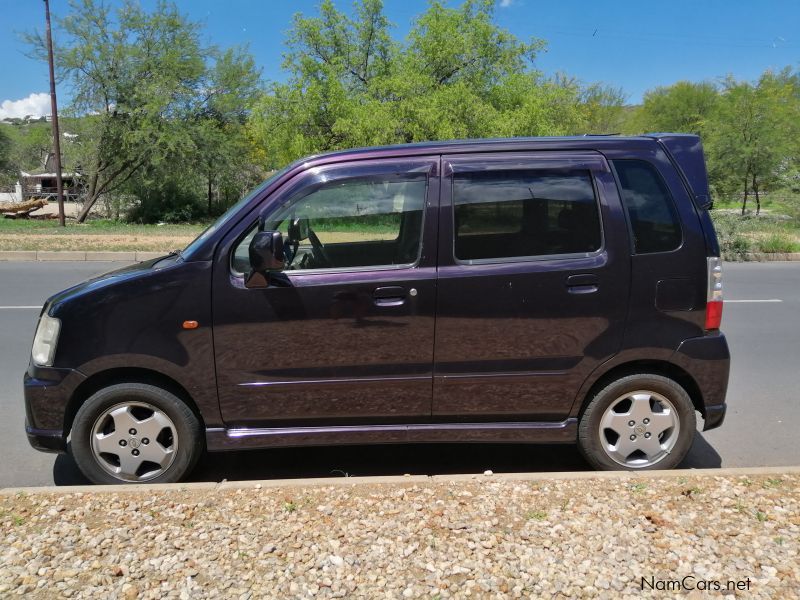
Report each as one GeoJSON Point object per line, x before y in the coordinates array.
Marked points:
{"type": "Point", "coordinates": [43, 184]}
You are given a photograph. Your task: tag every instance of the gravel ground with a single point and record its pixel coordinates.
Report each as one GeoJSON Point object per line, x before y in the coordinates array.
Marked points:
{"type": "Point", "coordinates": [486, 538]}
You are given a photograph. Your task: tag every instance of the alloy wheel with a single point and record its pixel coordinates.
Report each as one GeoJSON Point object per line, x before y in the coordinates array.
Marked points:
{"type": "Point", "coordinates": [134, 441]}
{"type": "Point", "coordinates": [639, 429]}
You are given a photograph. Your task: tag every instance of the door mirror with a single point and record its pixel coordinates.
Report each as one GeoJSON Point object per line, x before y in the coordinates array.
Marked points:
{"type": "Point", "coordinates": [298, 229]}
{"type": "Point", "coordinates": [266, 254]}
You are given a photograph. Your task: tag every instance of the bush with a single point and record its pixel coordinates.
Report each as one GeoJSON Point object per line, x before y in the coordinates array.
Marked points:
{"type": "Point", "coordinates": [733, 244]}
{"type": "Point", "coordinates": [777, 242]}
{"type": "Point", "coordinates": [166, 201]}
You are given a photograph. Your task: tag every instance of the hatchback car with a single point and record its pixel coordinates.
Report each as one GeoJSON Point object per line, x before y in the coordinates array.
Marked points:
{"type": "Point", "coordinates": [521, 290]}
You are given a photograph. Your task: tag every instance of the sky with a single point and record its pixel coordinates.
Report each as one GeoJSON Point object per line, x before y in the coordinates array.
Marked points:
{"type": "Point", "coordinates": [635, 45]}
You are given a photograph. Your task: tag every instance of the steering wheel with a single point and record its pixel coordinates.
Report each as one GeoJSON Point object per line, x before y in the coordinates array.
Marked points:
{"type": "Point", "coordinates": [318, 250]}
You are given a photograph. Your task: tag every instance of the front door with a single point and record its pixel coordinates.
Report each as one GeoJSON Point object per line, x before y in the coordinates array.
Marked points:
{"type": "Point", "coordinates": [344, 335]}
{"type": "Point", "coordinates": [533, 284]}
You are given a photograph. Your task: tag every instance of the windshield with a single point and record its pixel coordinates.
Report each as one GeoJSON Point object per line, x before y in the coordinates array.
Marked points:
{"type": "Point", "coordinates": [229, 214]}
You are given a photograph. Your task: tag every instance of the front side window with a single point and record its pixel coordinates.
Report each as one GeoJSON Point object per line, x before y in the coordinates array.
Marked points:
{"type": "Point", "coordinates": [651, 212]}
{"type": "Point", "coordinates": [349, 223]}
{"type": "Point", "coordinates": [517, 214]}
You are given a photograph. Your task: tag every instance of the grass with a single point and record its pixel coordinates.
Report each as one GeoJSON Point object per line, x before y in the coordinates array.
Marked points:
{"type": "Point", "coordinates": [106, 235]}
{"type": "Point", "coordinates": [101, 234]}
{"type": "Point", "coordinates": [775, 230]}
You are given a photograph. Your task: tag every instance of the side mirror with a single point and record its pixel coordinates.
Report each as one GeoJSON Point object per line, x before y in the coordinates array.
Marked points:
{"type": "Point", "coordinates": [266, 254]}
{"type": "Point", "coordinates": [298, 229]}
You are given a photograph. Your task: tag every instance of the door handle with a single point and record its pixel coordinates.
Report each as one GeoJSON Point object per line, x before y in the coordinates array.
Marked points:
{"type": "Point", "coordinates": [389, 296]}
{"type": "Point", "coordinates": [583, 283]}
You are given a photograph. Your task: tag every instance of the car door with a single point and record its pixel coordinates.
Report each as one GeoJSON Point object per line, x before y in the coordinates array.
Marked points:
{"type": "Point", "coordinates": [533, 283]}
{"type": "Point", "coordinates": [344, 335]}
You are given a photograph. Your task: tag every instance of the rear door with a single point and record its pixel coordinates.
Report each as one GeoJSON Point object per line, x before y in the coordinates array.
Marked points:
{"type": "Point", "coordinates": [533, 283]}
{"type": "Point", "coordinates": [668, 265]}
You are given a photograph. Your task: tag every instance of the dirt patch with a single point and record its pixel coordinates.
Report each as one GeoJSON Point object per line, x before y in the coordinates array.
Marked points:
{"type": "Point", "coordinates": [93, 241]}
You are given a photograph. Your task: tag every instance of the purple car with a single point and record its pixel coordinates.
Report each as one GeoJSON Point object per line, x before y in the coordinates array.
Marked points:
{"type": "Point", "coordinates": [518, 290]}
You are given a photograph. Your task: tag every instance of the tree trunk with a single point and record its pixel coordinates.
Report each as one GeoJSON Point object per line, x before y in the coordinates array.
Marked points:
{"type": "Point", "coordinates": [209, 194]}
{"type": "Point", "coordinates": [744, 200]}
{"type": "Point", "coordinates": [758, 198]}
{"type": "Point", "coordinates": [23, 207]}
{"type": "Point", "coordinates": [91, 198]}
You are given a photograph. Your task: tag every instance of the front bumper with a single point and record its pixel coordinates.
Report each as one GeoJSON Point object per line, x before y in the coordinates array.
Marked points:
{"type": "Point", "coordinates": [46, 440]}
{"type": "Point", "coordinates": [48, 392]}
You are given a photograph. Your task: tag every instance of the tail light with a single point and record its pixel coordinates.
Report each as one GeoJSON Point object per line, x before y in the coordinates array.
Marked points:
{"type": "Point", "coordinates": [714, 295]}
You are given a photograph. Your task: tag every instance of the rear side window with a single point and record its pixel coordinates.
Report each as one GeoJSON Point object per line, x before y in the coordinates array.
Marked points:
{"type": "Point", "coordinates": [651, 211]}
{"type": "Point", "coordinates": [517, 214]}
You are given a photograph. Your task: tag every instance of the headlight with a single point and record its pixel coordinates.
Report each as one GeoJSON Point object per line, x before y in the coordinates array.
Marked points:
{"type": "Point", "coordinates": [45, 340]}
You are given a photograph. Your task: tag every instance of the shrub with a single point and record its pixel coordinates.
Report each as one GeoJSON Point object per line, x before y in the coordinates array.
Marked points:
{"type": "Point", "coordinates": [168, 201]}
{"type": "Point", "coordinates": [733, 244]}
{"type": "Point", "coordinates": [777, 242]}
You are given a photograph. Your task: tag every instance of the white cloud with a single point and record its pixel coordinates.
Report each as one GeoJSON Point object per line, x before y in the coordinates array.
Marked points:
{"type": "Point", "coordinates": [35, 105]}
{"type": "Point", "coordinates": [505, 3]}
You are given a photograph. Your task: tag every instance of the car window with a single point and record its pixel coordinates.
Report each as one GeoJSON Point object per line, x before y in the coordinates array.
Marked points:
{"type": "Point", "coordinates": [651, 211]}
{"type": "Point", "coordinates": [517, 214]}
{"type": "Point", "coordinates": [351, 223]}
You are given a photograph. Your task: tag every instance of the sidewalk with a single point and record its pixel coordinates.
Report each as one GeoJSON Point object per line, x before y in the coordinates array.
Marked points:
{"type": "Point", "coordinates": [563, 535]}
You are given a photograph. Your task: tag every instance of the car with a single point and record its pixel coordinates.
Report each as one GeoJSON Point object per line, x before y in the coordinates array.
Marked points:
{"type": "Point", "coordinates": [528, 290]}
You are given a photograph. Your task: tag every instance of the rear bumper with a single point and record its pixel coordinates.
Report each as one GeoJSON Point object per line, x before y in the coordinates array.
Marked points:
{"type": "Point", "coordinates": [707, 359]}
{"type": "Point", "coordinates": [714, 416]}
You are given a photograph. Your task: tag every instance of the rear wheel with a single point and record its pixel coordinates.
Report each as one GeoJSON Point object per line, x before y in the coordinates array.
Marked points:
{"type": "Point", "coordinates": [135, 433]}
{"type": "Point", "coordinates": [638, 422]}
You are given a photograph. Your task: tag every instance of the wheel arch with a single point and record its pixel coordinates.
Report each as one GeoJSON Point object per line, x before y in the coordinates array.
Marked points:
{"type": "Point", "coordinates": [634, 367]}
{"type": "Point", "coordinates": [103, 379]}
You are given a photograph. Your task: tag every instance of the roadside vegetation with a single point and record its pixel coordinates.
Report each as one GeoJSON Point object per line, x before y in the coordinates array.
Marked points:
{"type": "Point", "coordinates": [164, 128]}
{"type": "Point", "coordinates": [95, 234]}
{"type": "Point", "coordinates": [776, 229]}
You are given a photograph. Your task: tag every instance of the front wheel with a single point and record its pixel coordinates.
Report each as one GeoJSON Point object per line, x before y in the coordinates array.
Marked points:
{"type": "Point", "coordinates": [638, 422]}
{"type": "Point", "coordinates": [135, 433]}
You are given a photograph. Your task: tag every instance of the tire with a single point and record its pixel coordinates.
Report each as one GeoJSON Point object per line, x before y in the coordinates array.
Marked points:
{"type": "Point", "coordinates": [135, 433]}
{"type": "Point", "coordinates": [638, 422]}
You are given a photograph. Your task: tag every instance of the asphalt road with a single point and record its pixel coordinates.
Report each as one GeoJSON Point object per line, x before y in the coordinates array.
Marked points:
{"type": "Point", "coordinates": [761, 320]}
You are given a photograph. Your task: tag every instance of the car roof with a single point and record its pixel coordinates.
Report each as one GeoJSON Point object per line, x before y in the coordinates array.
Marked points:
{"type": "Point", "coordinates": [585, 142]}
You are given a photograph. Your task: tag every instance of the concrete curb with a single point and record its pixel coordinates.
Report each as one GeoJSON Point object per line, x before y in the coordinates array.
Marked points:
{"type": "Point", "coordinates": [772, 256]}
{"type": "Point", "coordinates": [400, 479]}
{"type": "Point", "coordinates": [77, 255]}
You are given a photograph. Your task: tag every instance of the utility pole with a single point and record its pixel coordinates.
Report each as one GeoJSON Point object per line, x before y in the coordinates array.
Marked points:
{"type": "Point", "coordinates": [54, 111]}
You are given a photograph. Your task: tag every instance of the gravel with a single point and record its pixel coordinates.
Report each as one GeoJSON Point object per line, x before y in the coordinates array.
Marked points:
{"type": "Point", "coordinates": [485, 538]}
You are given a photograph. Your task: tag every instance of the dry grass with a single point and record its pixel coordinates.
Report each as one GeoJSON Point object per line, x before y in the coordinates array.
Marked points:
{"type": "Point", "coordinates": [94, 241]}
{"type": "Point", "coordinates": [106, 237]}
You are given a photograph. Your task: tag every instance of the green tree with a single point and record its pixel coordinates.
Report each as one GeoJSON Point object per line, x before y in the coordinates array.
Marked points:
{"type": "Point", "coordinates": [603, 107]}
{"type": "Point", "coordinates": [221, 146]}
{"type": "Point", "coordinates": [151, 98]}
{"type": "Point", "coordinates": [456, 75]}
{"type": "Point", "coordinates": [684, 107]}
{"type": "Point", "coordinates": [30, 143]}
{"type": "Point", "coordinates": [134, 75]}
{"type": "Point", "coordinates": [6, 168]}
{"type": "Point", "coordinates": [753, 132]}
